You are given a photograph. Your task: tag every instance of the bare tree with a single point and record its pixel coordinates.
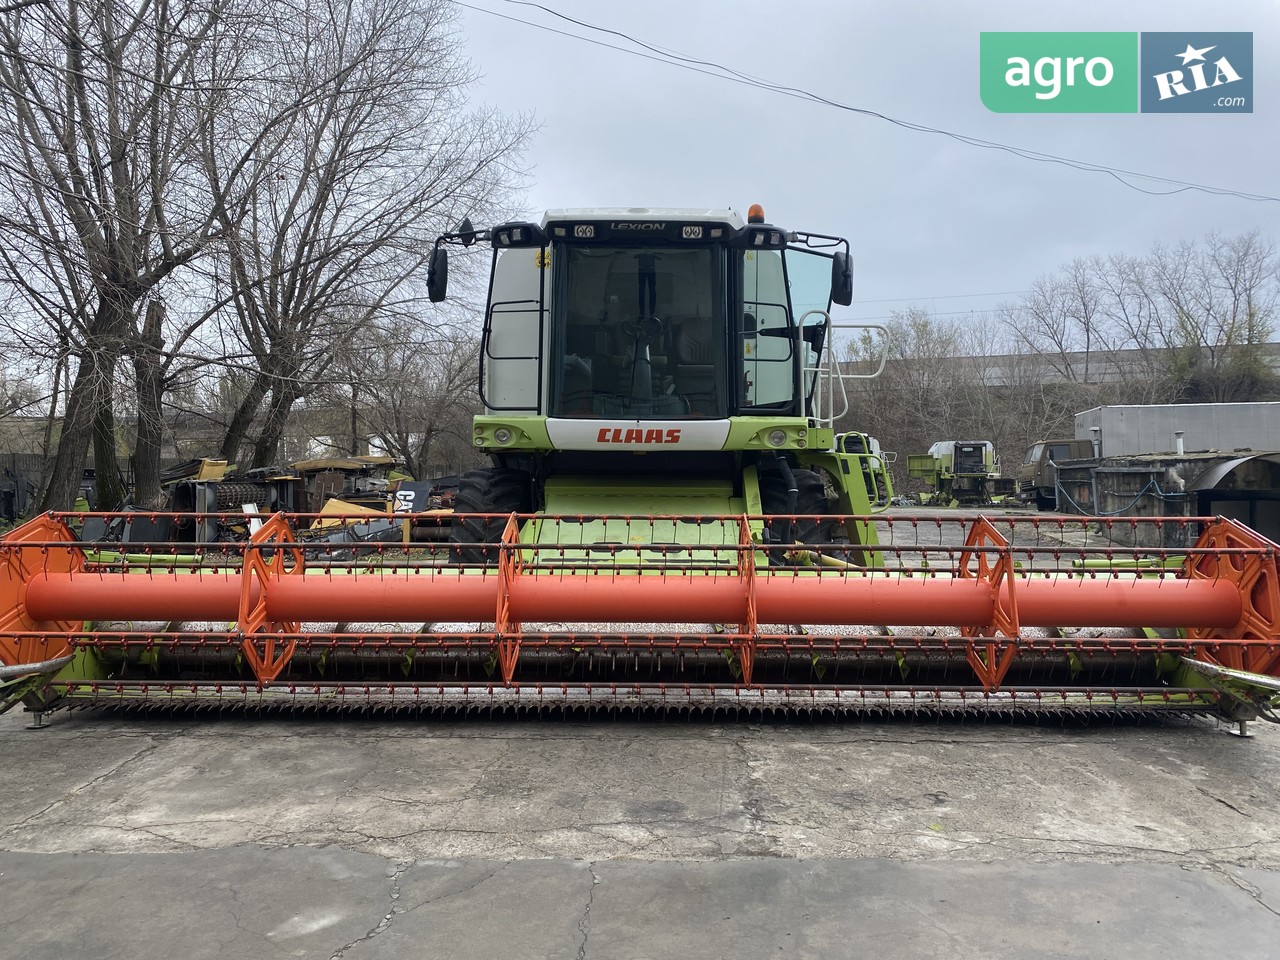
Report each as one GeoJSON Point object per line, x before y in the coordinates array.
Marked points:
{"type": "Point", "coordinates": [17, 395]}
{"type": "Point", "coordinates": [335, 225]}
{"type": "Point", "coordinates": [1061, 319]}
{"type": "Point", "coordinates": [415, 396]}
{"type": "Point", "coordinates": [914, 402]}
{"type": "Point", "coordinates": [1222, 300]}
{"type": "Point", "coordinates": [98, 188]}
{"type": "Point", "coordinates": [992, 399]}
{"type": "Point", "coordinates": [964, 381]}
{"type": "Point", "coordinates": [20, 380]}
{"type": "Point", "coordinates": [1136, 315]}
{"type": "Point", "coordinates": [1185, 322]}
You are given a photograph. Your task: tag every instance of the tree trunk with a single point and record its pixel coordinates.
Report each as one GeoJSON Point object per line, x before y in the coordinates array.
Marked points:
{"type": "Point", "coordinates": [416, 455]}
{"type": "Point", "coordinates": [148, 368]}
{"type": "Point", "coordinates": [110, 490]}
{"type": "Point", "coordinates": [242, 419]}
{"type": "Point", "coordinates": [73, 441]}
{"type": "Point", "coordinates": [90, 413]}
{"type": "Point", "coordinates": [267, 448]}
{"type": "Point", "coordinates": [355, 422]}
{"type": "Point", "coordinates": [46, 446]}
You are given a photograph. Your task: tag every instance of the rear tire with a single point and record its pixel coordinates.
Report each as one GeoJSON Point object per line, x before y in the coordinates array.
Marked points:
{"type": "Point", "coordinates": [498, 491]}
{"type": "Point", "coordinates": [811, 501]}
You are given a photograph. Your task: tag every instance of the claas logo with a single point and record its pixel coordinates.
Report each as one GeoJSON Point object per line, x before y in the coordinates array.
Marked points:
{"type": "Point", "coordinates": [637, 435]}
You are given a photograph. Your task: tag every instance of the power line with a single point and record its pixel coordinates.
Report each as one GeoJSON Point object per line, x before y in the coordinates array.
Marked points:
{"type": "Point", "coordinates": [931, 314]}
{"type": "Point", "coordinates": [953, 296]}
{"type": "Point", "coordinates": [720, 71]}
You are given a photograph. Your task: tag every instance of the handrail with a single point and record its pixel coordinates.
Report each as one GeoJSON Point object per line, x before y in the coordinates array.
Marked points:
{"type": "Point", "coordinates": [830, 373]}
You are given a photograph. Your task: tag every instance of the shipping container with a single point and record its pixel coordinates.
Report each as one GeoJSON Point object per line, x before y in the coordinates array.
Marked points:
{"type": "Point", "coordinates": [1130, 429]}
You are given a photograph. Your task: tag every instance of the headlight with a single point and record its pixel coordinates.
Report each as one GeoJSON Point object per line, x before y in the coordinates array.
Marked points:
{"type": "Point", "coordinates": [502, 435]}
{"type": "Point", "coordinates": [777, 438]}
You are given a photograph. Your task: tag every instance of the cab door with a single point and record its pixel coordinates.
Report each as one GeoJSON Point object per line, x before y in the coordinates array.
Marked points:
{"type": "Point", "coordinates": [809, 292]}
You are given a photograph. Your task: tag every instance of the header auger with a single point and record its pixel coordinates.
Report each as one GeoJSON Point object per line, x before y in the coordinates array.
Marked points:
{"type": "Point", "coordinates": [668, 521]}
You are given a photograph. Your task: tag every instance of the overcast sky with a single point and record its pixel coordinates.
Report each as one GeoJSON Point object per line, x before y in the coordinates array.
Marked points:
{"type": "Point", "coordinates": [931, 221]}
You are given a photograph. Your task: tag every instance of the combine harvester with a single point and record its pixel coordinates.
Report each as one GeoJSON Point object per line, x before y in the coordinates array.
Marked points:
{"type": "Point", "coordinates": [958, 471]}
{"type": "Point", "coordinates": [670, 522]}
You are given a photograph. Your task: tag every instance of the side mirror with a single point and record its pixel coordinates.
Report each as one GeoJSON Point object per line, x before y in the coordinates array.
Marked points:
{"type": "Point", "coordinates": [842, 278]}
{"type": "Point", "coordinates": [438, 275]}
{"type": "Point", "coordinates": [467, 232]}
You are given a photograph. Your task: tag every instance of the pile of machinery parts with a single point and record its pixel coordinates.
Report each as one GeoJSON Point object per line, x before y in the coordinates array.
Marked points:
{"type": "Point", "coordinates": [207, 504]}
{"type": "Point", "coordinates": [221, 498]}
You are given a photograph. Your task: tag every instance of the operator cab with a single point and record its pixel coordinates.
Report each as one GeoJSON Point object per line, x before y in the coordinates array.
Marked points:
{"type": "Point", "coordinates": [655, 314]}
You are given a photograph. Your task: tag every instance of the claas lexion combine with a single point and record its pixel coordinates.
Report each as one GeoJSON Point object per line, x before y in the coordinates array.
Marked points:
{"type": "Point", "coordinates": [669, 522]}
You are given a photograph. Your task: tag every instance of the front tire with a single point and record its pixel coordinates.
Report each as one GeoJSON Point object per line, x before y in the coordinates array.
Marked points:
{"type": "Point", "coordinates": [811, 502]}
{"type": "Point", "coordinates": [499, 491]}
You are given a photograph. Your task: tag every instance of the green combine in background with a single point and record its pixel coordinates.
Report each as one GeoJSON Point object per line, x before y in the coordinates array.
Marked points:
{"type": "Point", "coordinates": [957, 471]}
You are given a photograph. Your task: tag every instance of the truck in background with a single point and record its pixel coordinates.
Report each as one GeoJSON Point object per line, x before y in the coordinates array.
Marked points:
{"type": "Point", "coordinates": [1038, 472]}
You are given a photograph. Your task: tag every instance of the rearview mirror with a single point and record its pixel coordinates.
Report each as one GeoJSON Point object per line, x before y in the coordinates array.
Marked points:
{"type": "Point", "coordinates": [841, 278]}
{"type": "Point", "coordinates": [438, 275]}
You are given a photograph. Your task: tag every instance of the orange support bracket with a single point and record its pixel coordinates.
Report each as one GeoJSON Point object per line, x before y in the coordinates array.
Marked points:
{"type": "Point", "coordinates": [992, 661]}
{"type": "Point", "coordinates": [1228, 550]}
{"type": "Point", "coordinates": [508, 632]}
{"type": "Point", "coordinates": [266, 656]}
{"type": "Point", "coordinates": [24, 559]}
{"type": "Point", "coordinates": [746, 647]}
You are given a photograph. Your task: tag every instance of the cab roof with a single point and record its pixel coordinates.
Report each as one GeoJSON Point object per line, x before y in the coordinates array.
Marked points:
{"type": "Point", "coordinates": [728, 217]}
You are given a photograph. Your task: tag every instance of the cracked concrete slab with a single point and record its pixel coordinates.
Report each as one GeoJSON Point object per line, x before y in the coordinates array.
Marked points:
{"type": "Point", "coordinates": [326, 903]}
{"type": "Point", "coordinates": [509, 909]}
{"type": "Point", "coordinates": [66, 763]}
{"type": "Point", "coordinates": [525, 838]}
{"type": "Point", "coordinates": [1262, 885]}
{"type": "Point", "coordinates": [600, 790]}
{"type": "Point", "coordinates": [237, 902]}
{"type": "Point", "coordinates": [891, 909]}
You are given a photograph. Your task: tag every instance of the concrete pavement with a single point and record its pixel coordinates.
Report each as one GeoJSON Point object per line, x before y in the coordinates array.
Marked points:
{"type": "Point", "coordinates": [150, 837]}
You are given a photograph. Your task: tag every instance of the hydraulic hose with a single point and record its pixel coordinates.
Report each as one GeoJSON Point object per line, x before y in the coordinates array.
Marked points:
{"type": "Point", "coordinates": [793, 496]}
